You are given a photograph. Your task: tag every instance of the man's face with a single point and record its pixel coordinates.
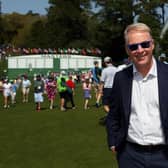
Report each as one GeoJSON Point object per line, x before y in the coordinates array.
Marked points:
{"type": "Point", "coordinates": [139, 47]}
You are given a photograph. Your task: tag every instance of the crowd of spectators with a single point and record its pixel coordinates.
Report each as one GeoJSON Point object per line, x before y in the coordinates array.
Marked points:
{"type": "Point", "coordinates": [8, 50]}
{"type": "Point", "coordinates": [62, 84]}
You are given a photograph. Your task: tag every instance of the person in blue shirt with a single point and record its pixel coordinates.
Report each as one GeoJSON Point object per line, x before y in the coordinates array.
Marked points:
{"type": "Point", "coordinates": [14, 88]}
{"type": "Point", "coordinates": [96, 74]}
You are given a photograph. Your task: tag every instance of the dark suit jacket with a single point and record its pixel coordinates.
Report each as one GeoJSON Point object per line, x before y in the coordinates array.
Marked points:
{"type": "Point", "coordinates": [118, 117]}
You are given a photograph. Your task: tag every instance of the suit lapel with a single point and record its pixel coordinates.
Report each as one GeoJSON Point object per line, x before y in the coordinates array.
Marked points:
{"type": "Point", "coordinates": [162, 84]}
{"type": "Point", "coordinates": [127, 92]}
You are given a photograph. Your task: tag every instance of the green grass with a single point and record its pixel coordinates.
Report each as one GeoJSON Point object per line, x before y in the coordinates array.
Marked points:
{"type": "Point", "coordinates": [52, 138]}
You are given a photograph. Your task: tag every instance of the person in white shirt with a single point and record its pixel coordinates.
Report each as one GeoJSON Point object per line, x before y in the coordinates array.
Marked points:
{"type": "Point", "coordinates": [6, 92]}
{"type": "Point", "coordinates": [137, 124]}
{"type": "Point", "coordinates": [26, 84]}
{"type": "Point", "coordinates": [106, 83]}
{"type": "Point", "coordinates": [126, 63]}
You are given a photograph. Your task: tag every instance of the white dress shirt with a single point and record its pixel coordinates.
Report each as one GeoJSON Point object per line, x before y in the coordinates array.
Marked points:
{"type": "Point", "coordinates": [145, 123]}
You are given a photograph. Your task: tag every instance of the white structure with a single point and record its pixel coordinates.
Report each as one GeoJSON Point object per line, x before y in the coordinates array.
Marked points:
{"type": "Point", "coordinates": [50, 62]}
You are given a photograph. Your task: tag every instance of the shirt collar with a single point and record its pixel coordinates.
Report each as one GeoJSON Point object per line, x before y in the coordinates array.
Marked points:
{"type": "Point", "coordinates": [109, 64]}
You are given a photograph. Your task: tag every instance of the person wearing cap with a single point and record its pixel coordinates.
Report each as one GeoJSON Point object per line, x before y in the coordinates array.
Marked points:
{"type": "Point", "coordinates": [163, 58]}
{"type": "Point", "coordinates": [126, 63]}
{"type": "Point", "coordinates": [106, 83]}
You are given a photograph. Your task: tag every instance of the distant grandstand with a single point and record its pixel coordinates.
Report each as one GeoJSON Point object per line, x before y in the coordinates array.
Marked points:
{"type": "Point", "coordinates": [42, 63]}
{"type": "Point", "coordinates": [38, 60]}
{"type": "Point", "coordinates": [10, 50]}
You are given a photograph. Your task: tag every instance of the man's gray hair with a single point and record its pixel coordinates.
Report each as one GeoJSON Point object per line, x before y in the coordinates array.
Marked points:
{"type": "Point", "coordinates": [136, 27]}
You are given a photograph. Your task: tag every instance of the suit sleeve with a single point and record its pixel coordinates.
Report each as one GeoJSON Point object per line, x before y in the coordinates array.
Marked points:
{"type": "Point", "coordinates": [113, 118]}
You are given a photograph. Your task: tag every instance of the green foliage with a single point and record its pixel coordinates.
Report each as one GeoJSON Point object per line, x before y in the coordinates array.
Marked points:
{"type": "Point", "coordinates": [38, 36]}
{"type": "Point", "coordinates": [3, 68]}
{"type": "Point", "coordinates": [17, 27]}
{"type": "Point", "coordinates": [67, 23]}
{"type": "Point", "coordinates": [113, 18]}
{"type": "Point", "coordinates": [148, 13]}
{"type": "Point", "coordinates": [164, 43]}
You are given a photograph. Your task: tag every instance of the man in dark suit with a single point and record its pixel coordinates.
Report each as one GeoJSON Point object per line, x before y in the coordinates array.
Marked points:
{"type": "Point", "coordinates": [137, 124]}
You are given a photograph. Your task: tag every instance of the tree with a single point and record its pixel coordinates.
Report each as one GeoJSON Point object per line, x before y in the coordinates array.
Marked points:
{"type": "Point", "coordinates": [67, 22]}
{"type": "Point", "coordinates": [16, 27]}
{"type": "Point", "coordinates": [38, 35]}
{"type": "Point", "coordinates": [113, 16]}
{"type": "Point", "coordinates": [2, 39]}
{"type": "Point", "coordinates": [148, 12]}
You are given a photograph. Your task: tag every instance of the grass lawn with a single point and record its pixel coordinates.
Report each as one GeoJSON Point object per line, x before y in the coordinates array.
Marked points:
{"type": "Point", "coordinates": [52, 138]}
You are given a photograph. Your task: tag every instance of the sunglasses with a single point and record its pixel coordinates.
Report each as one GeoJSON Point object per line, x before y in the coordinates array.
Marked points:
{"type": "Point", "coordinates": [144, 44]}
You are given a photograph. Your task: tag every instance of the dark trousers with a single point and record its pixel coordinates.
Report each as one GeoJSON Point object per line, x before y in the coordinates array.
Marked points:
{"type": "Point", "coordinates": [71, 99]}
{"type": "Point", "coordinates": [135, 156]}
